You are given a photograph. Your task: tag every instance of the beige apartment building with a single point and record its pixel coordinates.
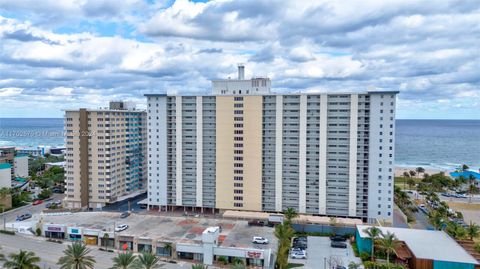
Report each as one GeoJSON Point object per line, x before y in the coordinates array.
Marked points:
{"type": "Point", "coordinates": [105, 155]}
{"type": "Point", "coordinates": [244, 147]}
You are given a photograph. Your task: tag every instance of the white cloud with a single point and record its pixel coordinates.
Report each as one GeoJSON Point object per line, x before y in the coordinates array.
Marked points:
{"type": "Point", "coordinates": [427, 50]}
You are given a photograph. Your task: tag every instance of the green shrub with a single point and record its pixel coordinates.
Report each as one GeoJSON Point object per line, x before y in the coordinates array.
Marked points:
{"type": "Point", "coordinates": [222, 259]}
{"type": "Point", "coordinates": [38, 232]}
{"type": "Point", "coordinates": [477, 247]}
{"type": "Point", "coordinates": [364, 256]}
{"type": "Point", "coordinates": [7, 232]}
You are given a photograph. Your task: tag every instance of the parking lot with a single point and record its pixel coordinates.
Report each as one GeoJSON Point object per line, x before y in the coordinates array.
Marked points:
{"type": "Point", "coordinates": [320, 255]}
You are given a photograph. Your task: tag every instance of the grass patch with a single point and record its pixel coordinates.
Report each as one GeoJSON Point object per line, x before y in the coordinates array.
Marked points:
{"type": "Point", "coordinates": [293, 265]}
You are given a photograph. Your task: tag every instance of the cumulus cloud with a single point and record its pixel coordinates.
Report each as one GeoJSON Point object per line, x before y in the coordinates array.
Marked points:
{"type": "Point", "coordinates": [72, 53]}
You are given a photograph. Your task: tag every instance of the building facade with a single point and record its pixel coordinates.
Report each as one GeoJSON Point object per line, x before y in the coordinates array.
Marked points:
{"type": "Point", "coordinates": [105, 155]}
{"type": "Point", "coordinates": [244, 148]}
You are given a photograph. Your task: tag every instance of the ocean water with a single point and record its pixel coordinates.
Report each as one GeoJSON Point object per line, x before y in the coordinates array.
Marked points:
{"type": "Point", "coordinates": [444, 144]}
{"type": "Point", "coordinates": [429, 143]}
{"type": "Point", "coordinates": [31, 132]}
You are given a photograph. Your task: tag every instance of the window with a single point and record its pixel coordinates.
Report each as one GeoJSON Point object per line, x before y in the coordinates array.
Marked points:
{"type": "Point", "coordinates": [238, 99]}
{"type": "Point", "coordinates": [238, 204]}
{"type": "Point", "coordinates": [238, 112]}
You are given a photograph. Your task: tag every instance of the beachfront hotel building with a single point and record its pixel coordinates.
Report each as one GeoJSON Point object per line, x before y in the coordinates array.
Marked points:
{"type": "Point", "coordinates": [246, 148]}
{"type": "Point", "coordinates": [105, 155]}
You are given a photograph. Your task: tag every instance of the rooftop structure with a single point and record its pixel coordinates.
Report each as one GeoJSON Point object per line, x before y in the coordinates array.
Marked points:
{"type": "Point", "coordinates": [435, 247]}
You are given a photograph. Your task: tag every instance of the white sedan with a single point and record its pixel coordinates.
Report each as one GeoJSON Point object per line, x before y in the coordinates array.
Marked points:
{"type": "Point", "coordinates": [121, 227]}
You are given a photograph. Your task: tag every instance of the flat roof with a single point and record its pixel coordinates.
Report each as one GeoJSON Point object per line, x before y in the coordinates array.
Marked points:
{"type": "Point", "coordinates": [427, 244]}
{"type": "Point", "coordinates": [274, 94]}
{"type": "Point", "coordinates": [104, 110]}
{"type": "Point", "coordinates": [5, 166]}
{"type": "Point", "coordinates": [158, 226]}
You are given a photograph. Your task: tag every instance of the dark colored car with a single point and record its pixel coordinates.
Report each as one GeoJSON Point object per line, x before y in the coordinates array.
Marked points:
{"type": "Point", "coordinates": [256, 223]}
{"type": "Point", "coordinates": [57, 190]}
{"type": "Point", "coordinates": [338, 238]}
{"type": "Point", "coordinates": [24, 216]}
{"type": "Point", "coordinates": [143, 206]}
{"type": "Point", "coordinates": [338, 245]}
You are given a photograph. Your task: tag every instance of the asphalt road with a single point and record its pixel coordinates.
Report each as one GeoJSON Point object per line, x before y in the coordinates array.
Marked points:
{"type": "Point", "coordinates": [50, 252]}
{"type": "Point", "coordinates": [398, 219]}
{"type": "Point", "coordinates": [11, 215]}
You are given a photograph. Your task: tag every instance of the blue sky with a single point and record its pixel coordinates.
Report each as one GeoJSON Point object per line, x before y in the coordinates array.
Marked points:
{"type": "Point", "coordinates": [58, 54]}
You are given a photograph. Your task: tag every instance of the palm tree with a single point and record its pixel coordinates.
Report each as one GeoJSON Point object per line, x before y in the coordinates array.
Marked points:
{"type": "Point", "coordinates": [290, 214]}
{"type": "Point", "coordinates": [412, 173]}
{"type": "Point", "coordinates": [389, 243]}
{"type": "Point", "coordinates": [455, 230]}
{"type": "Point", "coordinates": [436, 219]}
{"type": "Point", "coordinates": [168, 247]}
{"type": "Point", "coordinates": [373, 233]}
{"type": "Point", "coordinates": [473, 230]}
{"type": "Point", "coordinates": [410, 183]}
{"type": "Point", "coordinates": [124, 260]}
{"type": "Point", "coordinates": [147, 260]}
{"type": "Point", "coordinates": [199, 266]}
{"type": "Point", "coordinates": [465, 167]}
{"type": "Point", "coordinates": [22, 260]}
{"type": "Point", "coordinates": [76, 257]}
{"type": "Point", "coordinates": [419, 170]}
{"type": "Point", "coordinates": [105, 239]}
{"type": "Point", "coordinates": [472, 189]}
{"type": "Point", "coordinates": [284, 234]}
{"type": "Point", "coordinates": [406, 174]}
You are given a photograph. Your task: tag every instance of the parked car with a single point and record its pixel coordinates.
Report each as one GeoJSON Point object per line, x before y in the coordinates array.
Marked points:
{"type": "Point", "coordinates": [24, 216]}
{"type": "Point", "coordinates": [57, 190]}
{"type": "Point", "coordinates": [340, 267]}
{"type": "Point", "coordinates": [121, 227]}
{"type": "Point", "coordinates": [259, 240]}
{"type": "Point", "coordinates": [338, 238]}
{"type": "Point", "coordinates": [338, 245]}
{"type": "Point", "coordinates": [302, 246]}
{"type": "Point", "coordinates": [143, 206]}
{"type": "Point", "coordinates": [37, 202]}
{"type": "Point", "coordinates": [299, 254]}
{"type": "Point", "coordinates": [256, 223]}
{"type": "Point", "coordinates": [124, 215]}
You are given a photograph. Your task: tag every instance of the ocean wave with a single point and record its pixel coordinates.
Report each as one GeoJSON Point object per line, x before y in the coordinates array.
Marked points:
{"type": "Point", "coordinates": [6, 143]}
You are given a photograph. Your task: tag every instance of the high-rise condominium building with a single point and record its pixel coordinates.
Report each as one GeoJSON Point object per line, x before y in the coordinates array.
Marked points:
{"type": "Point", "coordinates": [105, 155]}
{"type": "Point", "coordinates": [244, 148]}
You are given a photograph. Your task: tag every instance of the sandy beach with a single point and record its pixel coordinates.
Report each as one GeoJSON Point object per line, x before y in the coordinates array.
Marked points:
{"type": "Point", "coordinates": [399, 170]}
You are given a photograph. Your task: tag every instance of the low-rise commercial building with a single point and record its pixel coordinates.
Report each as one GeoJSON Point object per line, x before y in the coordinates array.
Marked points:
{"type": "Point", "coordinates": [192, 239]}
{"type": "Point", "coordinates": [422, 249]}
